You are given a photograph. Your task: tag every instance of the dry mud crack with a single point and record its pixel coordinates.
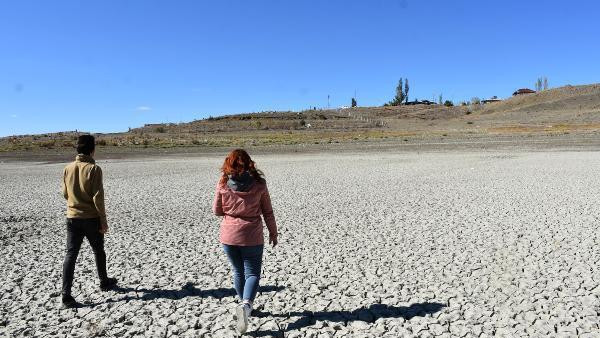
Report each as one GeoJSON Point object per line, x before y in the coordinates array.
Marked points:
{"type": "Point", "coordinates": [467, 244]}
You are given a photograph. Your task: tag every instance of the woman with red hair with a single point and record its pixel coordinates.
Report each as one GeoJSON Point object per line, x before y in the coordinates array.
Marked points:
{"type": "Point", "coordinates": [241, 197]}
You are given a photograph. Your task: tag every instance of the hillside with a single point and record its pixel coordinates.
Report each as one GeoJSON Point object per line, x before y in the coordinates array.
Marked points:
{"type": "Point", "coordinates": [569, 109]}
{"type": "Point", "coordinates": [572, 107]}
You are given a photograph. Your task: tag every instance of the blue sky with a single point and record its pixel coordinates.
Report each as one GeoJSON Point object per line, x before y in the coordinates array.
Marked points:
{"type": "Point", "coordinates": [104, 66]}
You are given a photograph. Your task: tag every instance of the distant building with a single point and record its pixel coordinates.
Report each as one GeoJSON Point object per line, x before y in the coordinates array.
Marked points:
{"type": "Point", "coordinates": [415, 102]}
{"type": "Point", "coordinates": [523, 91]}
{"type": "Point", "coordinates": [491, 100]}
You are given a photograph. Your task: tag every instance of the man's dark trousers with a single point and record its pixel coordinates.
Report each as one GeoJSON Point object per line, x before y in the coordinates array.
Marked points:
{"type": "Point", "coordinates": [77, 229]}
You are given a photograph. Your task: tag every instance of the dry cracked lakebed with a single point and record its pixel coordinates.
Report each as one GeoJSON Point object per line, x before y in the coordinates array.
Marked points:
{"type": "Point", "coordinates": [463, 244]}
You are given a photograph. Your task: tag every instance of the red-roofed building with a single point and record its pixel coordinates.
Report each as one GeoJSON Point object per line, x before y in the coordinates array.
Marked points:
{"type": "Point", "coordinates": [524, 91]}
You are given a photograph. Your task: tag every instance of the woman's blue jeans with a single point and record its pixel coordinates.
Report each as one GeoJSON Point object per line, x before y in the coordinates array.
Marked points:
{"type": "Point", "coordinates": [246, 262]}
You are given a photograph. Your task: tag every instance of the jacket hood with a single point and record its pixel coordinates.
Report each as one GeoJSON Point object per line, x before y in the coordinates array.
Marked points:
{"type": "Point", "coordinates": [84, 158]}
{"type": "Point", "coordinates": [243, 182]}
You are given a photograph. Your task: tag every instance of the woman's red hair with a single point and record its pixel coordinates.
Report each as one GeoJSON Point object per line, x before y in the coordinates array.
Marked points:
{"type": "Point", "coordinates": [236, 163]}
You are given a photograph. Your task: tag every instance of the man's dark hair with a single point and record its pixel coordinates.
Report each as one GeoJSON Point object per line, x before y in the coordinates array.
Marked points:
{"type": "Point", "coordinates": [85, 144]}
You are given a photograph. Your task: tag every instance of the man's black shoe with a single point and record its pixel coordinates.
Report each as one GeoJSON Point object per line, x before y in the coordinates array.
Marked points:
{"type": "Point", "coordinates": [69, 302]}
{"type": "Point", "coordinates": [108, 284]}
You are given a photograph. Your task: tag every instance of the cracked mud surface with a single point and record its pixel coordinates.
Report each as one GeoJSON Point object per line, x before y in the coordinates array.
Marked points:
{"type": "Point", "coordinates": [430, 245]}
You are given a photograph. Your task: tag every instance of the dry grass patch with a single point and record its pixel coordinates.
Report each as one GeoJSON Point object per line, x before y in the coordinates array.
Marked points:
{"type": "Point", "coordinates": [555, 128]}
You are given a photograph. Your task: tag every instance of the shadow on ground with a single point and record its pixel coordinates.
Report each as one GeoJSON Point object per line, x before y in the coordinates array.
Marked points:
{"type": "Point", "coordinates": [188, 290]}
{"type": "Point", "coordinates": [368, 314]}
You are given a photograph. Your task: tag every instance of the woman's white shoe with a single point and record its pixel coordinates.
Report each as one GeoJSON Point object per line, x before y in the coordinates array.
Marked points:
{"type": "Point", "coordinates": [241, 313]}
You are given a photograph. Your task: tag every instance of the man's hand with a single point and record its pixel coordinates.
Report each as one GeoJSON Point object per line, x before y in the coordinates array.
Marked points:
{"type": "Point", "coordinates": [273, 239]}
{"type": "Point", "coordinates": [103, 228]}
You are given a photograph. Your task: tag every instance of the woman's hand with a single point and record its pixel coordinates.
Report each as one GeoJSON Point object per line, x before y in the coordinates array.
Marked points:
{"type": "Point", "coordinates": [273, 239]}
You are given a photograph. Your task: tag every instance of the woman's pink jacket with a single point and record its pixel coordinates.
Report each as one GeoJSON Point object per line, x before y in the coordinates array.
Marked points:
{"type": "Point", "coordinates": [242, 224]}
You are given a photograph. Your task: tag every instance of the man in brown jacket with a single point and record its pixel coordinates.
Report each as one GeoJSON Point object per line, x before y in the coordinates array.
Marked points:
{"type": "Point", "coordinates": [83, 190]}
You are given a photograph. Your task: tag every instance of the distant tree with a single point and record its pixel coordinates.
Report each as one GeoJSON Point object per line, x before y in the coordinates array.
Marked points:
{"type": "Point", "coordinates": [353, 102]}
{"type": "Point", "coordinates": [399, 98]}
{"type": "Point", "coordinates": [545, 83]}
{"type": "Point", "coordinates": [399, 91]}
{"type": "Point", "coordinates": [440, 99]}
{"type": "Point", "coordinates": [475, 100]}
{"type": "Point", "coordinates": [406, 88]}
{"type": "Point", "coordinates": [399, 94]}
{"type": "Point", "coordinates": [538, 84]}
{"type": "Point", "coordinates": [448, 103]}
